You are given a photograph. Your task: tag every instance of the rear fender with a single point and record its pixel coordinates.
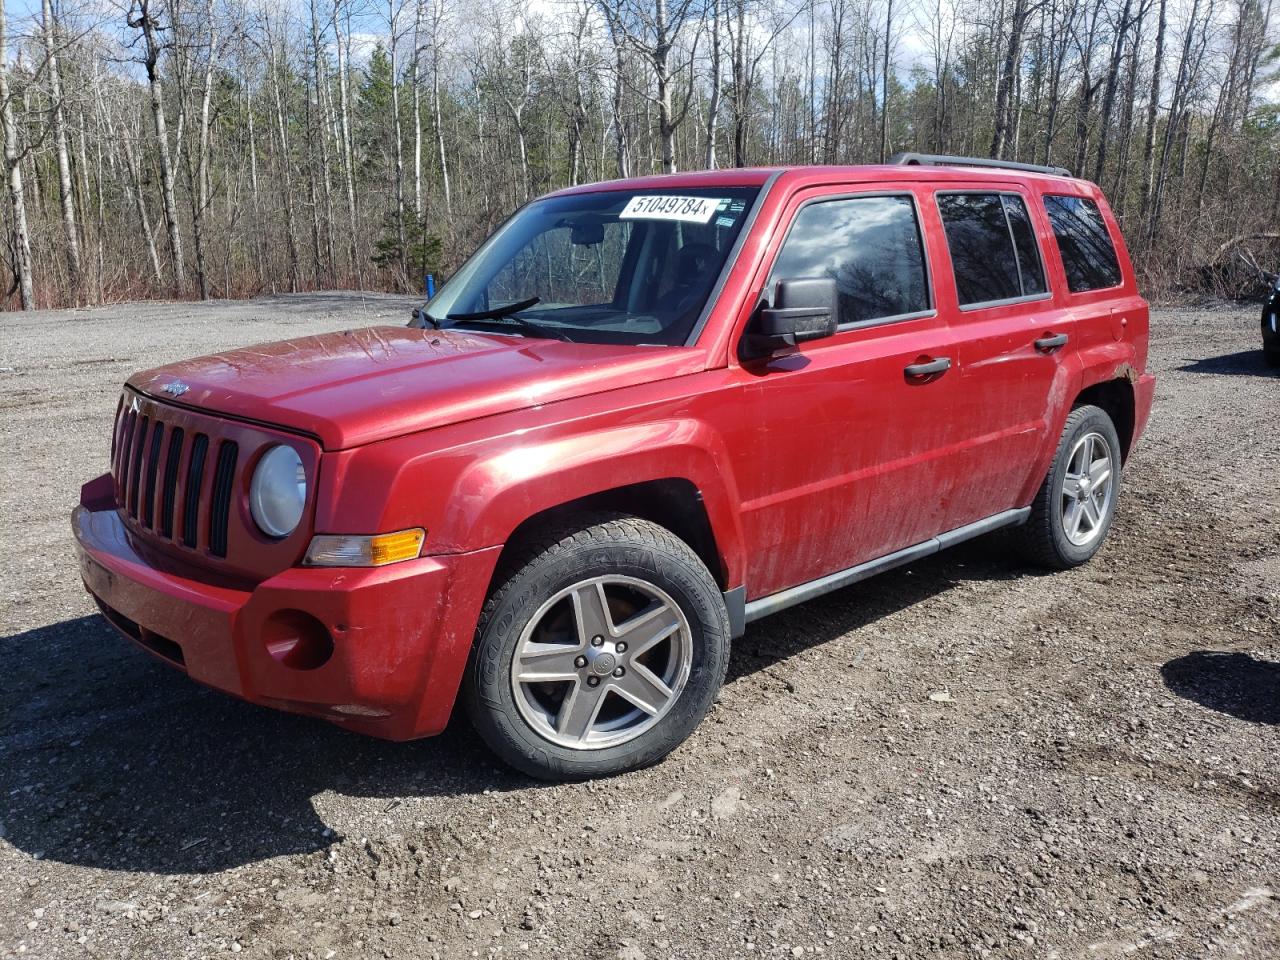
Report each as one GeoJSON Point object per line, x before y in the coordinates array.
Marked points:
{"type": "Point", "coordinates": [1099, 363]}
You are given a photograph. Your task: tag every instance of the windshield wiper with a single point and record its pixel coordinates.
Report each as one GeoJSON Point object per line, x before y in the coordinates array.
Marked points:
{"type": "Point", "coordinates": [510, 313]}
{"type": "Point", "coordinates": [497, 313]}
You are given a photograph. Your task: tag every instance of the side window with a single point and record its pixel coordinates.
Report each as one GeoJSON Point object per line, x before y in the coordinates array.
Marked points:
{"type": "Point", "coordinates": [1024, 244]}
{"type": "Point", "coordinates": [993, 248]}
{"type": "Point", "coordinates": [869, 245]}
{"type": "Point", "coordinates": [1087, 253]}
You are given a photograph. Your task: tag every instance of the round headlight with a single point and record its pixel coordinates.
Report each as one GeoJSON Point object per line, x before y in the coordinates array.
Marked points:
{"type": "Point", "coordinates": [278, 491]}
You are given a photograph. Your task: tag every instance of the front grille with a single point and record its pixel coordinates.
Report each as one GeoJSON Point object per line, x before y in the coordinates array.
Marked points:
{"type": "Point", "coordinates": [160, 486]}
{"type": "Point", "coordinates": [181, 482]}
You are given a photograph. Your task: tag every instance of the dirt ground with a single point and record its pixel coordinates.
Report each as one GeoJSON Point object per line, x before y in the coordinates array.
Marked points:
{"type": "Point", "coordinates": [961, 758]}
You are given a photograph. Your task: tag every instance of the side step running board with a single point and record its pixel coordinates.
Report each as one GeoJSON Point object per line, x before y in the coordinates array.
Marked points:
{"type": "Point", "coordinates": [843, 578]}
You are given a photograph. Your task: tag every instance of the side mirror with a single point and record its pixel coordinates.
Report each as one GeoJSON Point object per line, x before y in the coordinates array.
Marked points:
{"type": "Point", "coordinates": [803, 309]}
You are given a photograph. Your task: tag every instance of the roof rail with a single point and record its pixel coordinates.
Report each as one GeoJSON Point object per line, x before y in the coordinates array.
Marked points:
{"type": "Point", "coordinates": [936, 159]}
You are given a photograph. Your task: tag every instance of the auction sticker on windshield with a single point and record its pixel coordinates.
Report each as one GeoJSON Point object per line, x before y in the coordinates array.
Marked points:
{"type": "Point", "coordinates": [657, 207]}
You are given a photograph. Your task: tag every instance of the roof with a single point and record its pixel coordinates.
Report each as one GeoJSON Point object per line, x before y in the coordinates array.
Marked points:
{"type": "Point", "coordinates": [810, 175]}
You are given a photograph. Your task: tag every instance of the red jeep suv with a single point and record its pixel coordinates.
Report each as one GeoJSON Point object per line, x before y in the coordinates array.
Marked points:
{"type": "Point", "coordinates": [642, 415]}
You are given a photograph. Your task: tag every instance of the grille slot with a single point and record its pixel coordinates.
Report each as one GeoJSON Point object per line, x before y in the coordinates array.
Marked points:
{"type": "Point", "coordinates": [223, 485]}
{"type": "Point", "coordinates": [153, 464]}
{"type": "Point", "coordinates": [171, 482]}
{"type": "Point", "coordinates": [121, 465]}
{"type": "Point", "coordinates": [191, 501]}
{"type": "Point", "coordinates": [135, 469]}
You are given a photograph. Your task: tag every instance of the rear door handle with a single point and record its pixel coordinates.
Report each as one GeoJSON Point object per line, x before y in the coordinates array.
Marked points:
{"type": "Point", "coordinates": [1052, 342]}
{"type": "Point", "coordinates": [918, 371]}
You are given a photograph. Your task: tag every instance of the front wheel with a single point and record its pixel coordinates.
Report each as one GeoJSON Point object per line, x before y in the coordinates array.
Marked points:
{"type": "Point", "coordinates": [601, 650]}
{"type": "Point", "coordinates": [1073, 509]}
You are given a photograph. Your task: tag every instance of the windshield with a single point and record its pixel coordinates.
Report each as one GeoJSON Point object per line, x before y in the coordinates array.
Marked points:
{"type": "Point", "coordinates": [619, 266]}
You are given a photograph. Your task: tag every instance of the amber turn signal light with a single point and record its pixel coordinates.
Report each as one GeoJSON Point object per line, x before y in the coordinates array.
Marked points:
{"type": "Point", "coordinates": [338, 550]}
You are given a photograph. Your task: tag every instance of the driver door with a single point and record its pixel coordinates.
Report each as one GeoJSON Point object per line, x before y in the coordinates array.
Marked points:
{"type": "Point", "coordinates": [841, 452]}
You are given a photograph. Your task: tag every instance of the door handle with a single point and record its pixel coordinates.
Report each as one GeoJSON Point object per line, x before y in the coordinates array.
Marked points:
{"type": "Point", "coordinates": [920, 371]}
{"type": "Point", "coordinates": [1052, 342]}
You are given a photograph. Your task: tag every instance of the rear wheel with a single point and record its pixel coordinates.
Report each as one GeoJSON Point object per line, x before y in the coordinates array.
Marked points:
{"type": "Point", "coordinates": [1272, 356]}
{"type": "Point", "coordinates": [1073, 509]}
{"type": "Point", "coordinates": [601, 650]}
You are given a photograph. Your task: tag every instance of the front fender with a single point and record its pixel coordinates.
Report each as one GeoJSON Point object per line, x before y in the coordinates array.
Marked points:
{"type": "Point", "coordinates": [472, 486]}
{"type": "Point", "coordinates": [496, 493]}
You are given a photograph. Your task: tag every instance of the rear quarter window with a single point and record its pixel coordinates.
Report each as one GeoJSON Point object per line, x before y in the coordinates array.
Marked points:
{"type": "Point", "coordinates": [1088, 256]}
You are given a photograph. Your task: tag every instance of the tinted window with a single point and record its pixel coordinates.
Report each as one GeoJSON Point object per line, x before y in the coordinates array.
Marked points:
{"type": "Point", "coordinates": [1087, 254]}
{"type": "Point", "coordinates": [869, 245]}
{"type": "Point", "coordinates": [1024, 245]}
{"type": "Point", "coordinates": [993, 249]}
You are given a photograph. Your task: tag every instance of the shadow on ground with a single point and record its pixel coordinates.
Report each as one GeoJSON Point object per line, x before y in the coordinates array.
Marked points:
{"type": "Point", "coordinates": [111, 759]}
{"type": "Point", "coordinates": [1249, 363]}
{"type": "Point", "coordinates": [1232, 683]}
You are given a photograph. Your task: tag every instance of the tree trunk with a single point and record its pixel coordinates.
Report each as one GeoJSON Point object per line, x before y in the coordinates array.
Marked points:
{"type": "Point", "coordinates": [397, 133]}
{"type": "Point", "coordinates": [713, 100]}
{"type": "Point", "coordinates": [201, 202]}
{"type": "Point", "coordinates": [140, 201]}
{"type": "Point", "coordinates": [1005, 84]}
{"type": "Point", "coordinates": [150, 27]}
{"type": "Point", "coordinates": [1109, 92]}
{"type": "Point", "coordinates": [417, 110]}
{"type": "Point", "coordinates": [20, 239]}
{"type": "Point", "coordinates": [286, 174]}
{"type": "Point", "coordinates": [437, 15]}
{"type": "Point", "coordinates": [348, 148]}
{"type": "Point", "coordinates": [1153, 104]}
{"type": "Point", "coordinates": [71, 232]}
{"type": "Point", "coordinates": [619, 123]}
{"type": "Point", "coordinates": [884, 98]}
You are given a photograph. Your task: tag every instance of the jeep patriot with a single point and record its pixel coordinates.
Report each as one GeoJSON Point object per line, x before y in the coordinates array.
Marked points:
{"type": "Point", "coordinates": [642, 415]}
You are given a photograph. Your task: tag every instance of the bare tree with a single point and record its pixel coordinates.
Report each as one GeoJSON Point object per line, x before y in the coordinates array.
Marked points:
{"type": "Point", "coordinates": [71, 233]}
{"type": "Point", "coordinates": [19, 237]}
{"type": "Point", "coordinates": [143, 16]}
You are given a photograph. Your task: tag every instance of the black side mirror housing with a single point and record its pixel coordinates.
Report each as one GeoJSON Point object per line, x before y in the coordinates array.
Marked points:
{"type": "Point", "coordinates": [803, 309]}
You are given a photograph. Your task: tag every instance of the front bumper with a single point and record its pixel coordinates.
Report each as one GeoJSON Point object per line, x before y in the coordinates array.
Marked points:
{"type": "Point", "coordinates": [400, 634]}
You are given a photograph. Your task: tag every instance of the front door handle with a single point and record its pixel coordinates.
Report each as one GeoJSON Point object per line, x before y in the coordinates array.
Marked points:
{"type": "Point", "coordinates": [930, 368]}
{"type": "Point", "coordinates": [1052, 342]}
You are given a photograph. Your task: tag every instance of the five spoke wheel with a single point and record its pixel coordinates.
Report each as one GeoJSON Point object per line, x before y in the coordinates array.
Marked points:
{"type": "Point", "coordinates": [601, 662]}
{"type": "Point", "coordinates": [1087, 489]}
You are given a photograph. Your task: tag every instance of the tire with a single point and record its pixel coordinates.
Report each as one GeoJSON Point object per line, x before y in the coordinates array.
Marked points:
{"type": "Point", "coordinates": [1272, 356]}
{"type": "Point", "coordinates": [580, 608]}
{"type": "Point", "coordinates": [1063, 532]}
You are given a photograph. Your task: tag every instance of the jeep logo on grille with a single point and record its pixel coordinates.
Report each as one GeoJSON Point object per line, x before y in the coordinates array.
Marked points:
{"type": "Point", "coordinates": [175, 389]}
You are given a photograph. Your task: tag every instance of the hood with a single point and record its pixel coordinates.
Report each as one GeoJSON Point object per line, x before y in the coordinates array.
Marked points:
{"type": "Point", "coordinates": [357, 386]}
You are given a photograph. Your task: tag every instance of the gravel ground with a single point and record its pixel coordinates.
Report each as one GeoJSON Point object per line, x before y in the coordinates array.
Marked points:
{"type": "Point", "coordinates": [961, 758]}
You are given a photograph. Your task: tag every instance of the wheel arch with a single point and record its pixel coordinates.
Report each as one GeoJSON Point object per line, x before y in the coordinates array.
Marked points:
{"type": "Point", "coordinates": [1116, 397]}
{"type": "Point", "coordinates": [674, 503]}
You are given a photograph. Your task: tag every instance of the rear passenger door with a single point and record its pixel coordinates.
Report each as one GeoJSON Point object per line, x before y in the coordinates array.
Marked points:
{"type": "Point", "coordinates": [1015, 341]}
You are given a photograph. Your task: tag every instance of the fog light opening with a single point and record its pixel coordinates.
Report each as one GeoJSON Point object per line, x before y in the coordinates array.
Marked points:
{"type": "Point", "coordinates": [297, 640]}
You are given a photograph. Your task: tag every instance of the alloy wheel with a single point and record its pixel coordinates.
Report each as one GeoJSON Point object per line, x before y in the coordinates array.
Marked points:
{"type": "Point", "coordinates": [1088, 489]}
{"type": "Point", "coordinates": [601, 662]}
